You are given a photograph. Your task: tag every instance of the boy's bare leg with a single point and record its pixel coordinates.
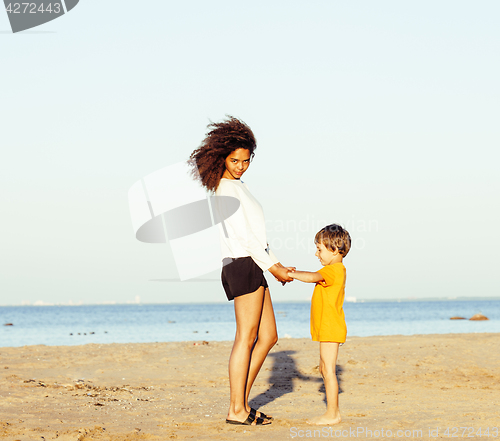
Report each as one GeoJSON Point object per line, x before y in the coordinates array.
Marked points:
{"type": "Point", "coordinates": [328, 352]}
{"type": "Point", "coordinates": [267, 338]}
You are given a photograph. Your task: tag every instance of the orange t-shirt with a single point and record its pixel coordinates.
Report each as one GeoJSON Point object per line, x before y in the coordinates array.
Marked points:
{"type": "Point", "coordinates": [327, 314]}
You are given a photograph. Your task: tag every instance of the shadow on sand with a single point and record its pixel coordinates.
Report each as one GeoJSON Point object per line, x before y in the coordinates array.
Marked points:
{"type": "Point", "coordinates": [285, 377]}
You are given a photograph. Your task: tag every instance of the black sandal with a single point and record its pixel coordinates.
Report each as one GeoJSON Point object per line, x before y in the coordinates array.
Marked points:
{"type": "Point", "coordinates": [252, 416]}
{"type": "Point", "coordinates": [262, 414]}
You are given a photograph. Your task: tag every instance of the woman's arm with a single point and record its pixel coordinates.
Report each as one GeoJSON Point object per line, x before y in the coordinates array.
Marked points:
{"type": "Point", "coordinates": [306, 276]}
{"type": "Point", "coordinates": [238, 227]}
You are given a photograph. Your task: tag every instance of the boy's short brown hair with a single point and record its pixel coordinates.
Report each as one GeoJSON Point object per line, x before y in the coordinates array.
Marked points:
{"type": "Point", "coordinates": [334, 237]}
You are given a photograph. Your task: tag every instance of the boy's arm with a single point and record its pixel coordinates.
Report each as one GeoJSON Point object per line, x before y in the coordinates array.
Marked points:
{"type": "Point", "coordinates": [306, 276]}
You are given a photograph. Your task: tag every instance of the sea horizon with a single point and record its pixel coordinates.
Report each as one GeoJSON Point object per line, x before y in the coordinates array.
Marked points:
{"type": "Point", "coordinates": [348, 299]}
{"type": "Point", "coordinates": [142, 323]}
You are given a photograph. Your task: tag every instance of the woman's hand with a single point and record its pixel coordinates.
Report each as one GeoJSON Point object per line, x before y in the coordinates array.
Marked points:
{"type": "Point", "coordinates": [290, 269]}
{"type": "Point", "coordinates": [280, 272]}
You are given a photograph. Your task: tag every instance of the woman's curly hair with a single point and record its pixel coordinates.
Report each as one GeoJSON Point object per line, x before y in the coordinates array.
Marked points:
{"type": "Point", "coordinates": [207, 162]}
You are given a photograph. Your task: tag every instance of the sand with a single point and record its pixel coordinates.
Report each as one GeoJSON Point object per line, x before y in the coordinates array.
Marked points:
{"type": "Point", "coordinates": [402, 387]}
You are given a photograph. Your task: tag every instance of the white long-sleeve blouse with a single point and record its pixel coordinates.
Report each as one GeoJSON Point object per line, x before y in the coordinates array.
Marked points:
{"type": "Point", "coordinates": [244, 232]}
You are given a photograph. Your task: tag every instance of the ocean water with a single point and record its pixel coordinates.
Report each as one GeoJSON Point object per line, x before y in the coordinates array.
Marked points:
{"type": "Point", "coordinates": [75, 325]}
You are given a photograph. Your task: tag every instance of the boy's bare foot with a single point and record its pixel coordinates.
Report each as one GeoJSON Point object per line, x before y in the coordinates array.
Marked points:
{"type": "Point", "coordinates": [326, 419]}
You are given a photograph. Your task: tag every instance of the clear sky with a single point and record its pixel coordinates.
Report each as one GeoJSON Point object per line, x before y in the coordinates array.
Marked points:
{"type": "Point", "coordinates": [380, 115]}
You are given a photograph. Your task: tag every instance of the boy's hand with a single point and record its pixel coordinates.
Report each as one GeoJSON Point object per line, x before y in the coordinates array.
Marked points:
{"type": "Point", "coordinates": [290, 269]}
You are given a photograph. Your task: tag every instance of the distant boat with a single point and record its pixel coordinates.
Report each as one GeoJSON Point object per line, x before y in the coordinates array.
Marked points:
{"type": "Point", "coordinates": [350, 299]}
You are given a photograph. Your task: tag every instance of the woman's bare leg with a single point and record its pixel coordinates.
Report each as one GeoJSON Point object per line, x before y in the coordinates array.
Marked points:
{"type": "Point", "coordinates": [248, 311]}
{"type": "Point", "coordinates": [266, 339]}
{"type": "Point", "coordinates": [328, 352]}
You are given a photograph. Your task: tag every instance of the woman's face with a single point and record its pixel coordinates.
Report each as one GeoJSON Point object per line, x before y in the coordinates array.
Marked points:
{"type": "Point", "coordinates": [237, 163]}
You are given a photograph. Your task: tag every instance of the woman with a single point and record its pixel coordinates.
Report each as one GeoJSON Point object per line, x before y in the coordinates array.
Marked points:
{"type": "Point", "coordinates": [220, 162]}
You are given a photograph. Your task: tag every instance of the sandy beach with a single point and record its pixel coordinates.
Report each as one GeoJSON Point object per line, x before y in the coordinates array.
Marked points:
{"type": "Point", "coordinates": [406, 387]}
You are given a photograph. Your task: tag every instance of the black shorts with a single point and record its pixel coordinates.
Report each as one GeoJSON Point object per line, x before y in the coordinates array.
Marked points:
{"type": "Point", "coordinates": [241, 276]}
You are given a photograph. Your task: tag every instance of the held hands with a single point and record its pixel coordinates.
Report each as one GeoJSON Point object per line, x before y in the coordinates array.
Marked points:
{"type": "Point", "coordinates": [289, 269]}
{"type": "Point", "coordinates": [280, 272]}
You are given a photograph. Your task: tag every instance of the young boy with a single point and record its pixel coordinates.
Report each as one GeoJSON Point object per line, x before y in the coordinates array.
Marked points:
{"type": "Point", "coordinates": [327, 316]}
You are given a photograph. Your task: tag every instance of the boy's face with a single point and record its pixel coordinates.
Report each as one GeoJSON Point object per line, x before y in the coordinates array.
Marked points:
{"type": "Point", "coordinates": [325, 256]}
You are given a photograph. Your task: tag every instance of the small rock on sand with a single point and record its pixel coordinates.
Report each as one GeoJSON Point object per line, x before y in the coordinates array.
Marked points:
{"type": "Point", "coordinates": [479, 317]}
